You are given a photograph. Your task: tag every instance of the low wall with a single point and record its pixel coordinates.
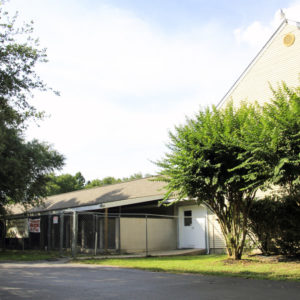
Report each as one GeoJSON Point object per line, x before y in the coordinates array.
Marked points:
{"type": "Point", "coordinates": [161, 234]}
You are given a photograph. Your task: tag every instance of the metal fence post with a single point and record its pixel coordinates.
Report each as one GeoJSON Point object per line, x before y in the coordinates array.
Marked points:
{"type": "Point", "coordinates": [96, 242]}
{"type": "Point", "coordinates": [74, 233]}
{"type": "Point", "coordinates": [61, 234]}
{"type": "Point", "coordinates": [147, 236]}
{"type": "Point", "coordinates": [119, 223]}
{"type": "Point", "coordinates": [101, 233]}
{"type": "Point", "coordinates": [49, 233]}
{"type": "Point", "coordinates": [106, 230]}
{"type": "Point", "coordinates": [117, 233]}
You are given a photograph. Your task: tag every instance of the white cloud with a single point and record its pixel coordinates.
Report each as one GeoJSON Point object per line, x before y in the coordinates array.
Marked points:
{"type": "Point", "coordinates": [124, 83]}
{"type": "Point", "coordinates": [257, 33]}
{"type": "Point", "coordinates": [254, 35]}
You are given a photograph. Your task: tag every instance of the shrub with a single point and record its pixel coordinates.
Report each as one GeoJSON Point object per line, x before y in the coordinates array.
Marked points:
{"type": "Point", "coordinates": [275, 221]}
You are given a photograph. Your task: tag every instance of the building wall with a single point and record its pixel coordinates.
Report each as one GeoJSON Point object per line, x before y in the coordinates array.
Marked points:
{"type": "Point", "coordinates": [274, 64]}
{"type": "Point", "coordinates": [216, 239]}
{"type": "Point", "coordinates": [161, 234]}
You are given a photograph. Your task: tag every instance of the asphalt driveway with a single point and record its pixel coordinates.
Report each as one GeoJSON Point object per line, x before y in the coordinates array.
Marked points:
{"type": "Point", "coordinates": [73, 281]}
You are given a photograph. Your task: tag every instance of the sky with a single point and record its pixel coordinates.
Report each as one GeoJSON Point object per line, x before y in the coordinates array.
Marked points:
{"type": "Point", "coordinates": [129, 71]}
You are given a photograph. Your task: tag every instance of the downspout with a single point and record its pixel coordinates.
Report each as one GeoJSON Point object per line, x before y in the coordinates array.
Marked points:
{"type": "Point", "coordinates": [207, 233]}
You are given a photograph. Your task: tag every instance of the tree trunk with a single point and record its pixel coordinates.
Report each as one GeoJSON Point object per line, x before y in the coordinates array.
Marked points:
{"type": "Point", "coordinates": [235, 239]}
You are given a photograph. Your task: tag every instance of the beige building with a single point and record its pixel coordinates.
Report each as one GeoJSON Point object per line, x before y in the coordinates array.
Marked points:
{"type": "Point", "coordinates": [277, 61]}
{"type": "Point", "coordinates": [129, 216]}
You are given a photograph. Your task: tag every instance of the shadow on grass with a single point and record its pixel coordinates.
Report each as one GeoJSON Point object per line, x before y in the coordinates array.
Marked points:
{"type": "Point", "coordinates": [240, 274]}
{"type": "Point", "coordinates": [27, 255]}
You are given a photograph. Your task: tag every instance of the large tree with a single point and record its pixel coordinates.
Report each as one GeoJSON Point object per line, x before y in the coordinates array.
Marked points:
{"type": "Point", "coordinates": [24, 164]}
{"type": "Point", "coordinates": [211, 161]}
{"type": "Point", "coordinates": [222, 157]}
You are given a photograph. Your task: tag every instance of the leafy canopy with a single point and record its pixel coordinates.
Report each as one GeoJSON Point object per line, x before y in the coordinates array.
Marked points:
{"type": "Point", "coordinates": [211, 161]}
{"type": "Point", "coordinates": [223, 157]}
{"type": "Point", "coordinates": [24, 165]}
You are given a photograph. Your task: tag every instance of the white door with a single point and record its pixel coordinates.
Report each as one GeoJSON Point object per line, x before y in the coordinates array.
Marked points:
{"type": "Point", "coordinates": [192, 226]}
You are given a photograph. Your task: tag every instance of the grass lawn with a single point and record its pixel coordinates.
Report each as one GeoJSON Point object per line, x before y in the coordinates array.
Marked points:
{"type": "Point", "coordinates": [250, 267]}
{"type": "Point", "coordinates": [27, 255]}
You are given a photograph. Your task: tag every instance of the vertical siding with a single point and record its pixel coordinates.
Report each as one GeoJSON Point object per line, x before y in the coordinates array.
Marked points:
{"type": "Point", "coordinates": [274, 64]}
{"type": "Point", "coordinates": [216, 239]}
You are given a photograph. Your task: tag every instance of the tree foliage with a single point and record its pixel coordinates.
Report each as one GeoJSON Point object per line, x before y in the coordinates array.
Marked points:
{"type": "Point", "coordinates": [281, 119]}
{"type": "Point", "coordinates": [112, 180]}
{"type": "Point", "coordinates": [210, 161]}
{"type": "Point", "coordinates": [275, 222]}
{"type": "Point", "coordinates": [222, 157]}
{"type": "Point", "coordinates": [64, 183]}
{"type": "Point", "coordinates": [58, 184]}
{"type": "Point", "coordinates": [24, 165]}
{"type": "Point", "coordinates": [275, 219]}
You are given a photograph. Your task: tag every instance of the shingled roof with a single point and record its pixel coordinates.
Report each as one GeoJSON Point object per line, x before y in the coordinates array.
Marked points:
{"type": "Point", "coordinates": [136, 191]}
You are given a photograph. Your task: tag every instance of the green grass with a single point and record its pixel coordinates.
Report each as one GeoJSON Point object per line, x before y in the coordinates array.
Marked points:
{"type": "Point", "coordinates": [27, 255]}
{"type": "Point", "coordinates": [210, 265]}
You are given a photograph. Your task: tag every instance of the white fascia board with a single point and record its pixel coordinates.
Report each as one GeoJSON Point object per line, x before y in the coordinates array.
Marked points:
{"type": "Point", "coordinates": [132, 201]}
{"type": "Point", "coordinates": [84, 208]}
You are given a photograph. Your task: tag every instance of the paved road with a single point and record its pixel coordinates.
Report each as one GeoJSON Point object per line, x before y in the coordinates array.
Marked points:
{"type": "Point", "coordinates": [73, 281]}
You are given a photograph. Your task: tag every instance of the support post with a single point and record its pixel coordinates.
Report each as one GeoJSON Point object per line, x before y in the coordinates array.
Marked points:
{"type": "Point", "coordinates": [106, 230]}
{"type": "Point", "coordinates": [96, 241]}
{"type": "Point", "coordinates": [68, 231]}
{"type": "Point", "coordinates": [52, 235]}
{"type": "Point", "coordinates": [49, 233]}
{"type": "Point", "coordinates": [42, 233]}
{"type": "Point", "coordinates": [82, 233]}
{"type": "Point", "coordinates": [117, 233]}
{"type": "Point", "coordinates": [101, 233]}
{"type": "Point", "coordinates": [61, 233]}
{"type": "Point", "coordinates": [94, 230]}
{"type": "Point", "coordinates": [74, 233]}
{"type": "Point", "coordinates": [119, 237]}
{"type": "Point", "coordinates": [147, 254]}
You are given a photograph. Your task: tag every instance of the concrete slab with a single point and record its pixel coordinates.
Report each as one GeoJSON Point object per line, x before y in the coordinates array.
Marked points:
{"type": "Point", "coordinates": [160, 253]}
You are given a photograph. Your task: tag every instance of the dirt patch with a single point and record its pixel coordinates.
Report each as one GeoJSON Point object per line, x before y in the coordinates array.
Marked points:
{"type": "Point", "coordinates": [245, 261]}
{"type": "Point", "coordinates": [275, 258]}
{"type": "Point", "coordinates": [261, 259]}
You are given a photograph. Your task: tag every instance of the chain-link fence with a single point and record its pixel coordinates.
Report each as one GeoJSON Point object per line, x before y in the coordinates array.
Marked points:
{"type": "Point", "coordinates": [90, 232]}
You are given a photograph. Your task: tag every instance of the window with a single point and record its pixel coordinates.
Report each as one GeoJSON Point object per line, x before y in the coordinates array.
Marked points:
{"type": "Point", "coordinates": [187, 218]}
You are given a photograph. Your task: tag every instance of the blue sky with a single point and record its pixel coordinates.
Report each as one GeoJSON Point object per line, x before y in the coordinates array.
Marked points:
{"type": "Point", "coordinates": [173, 15]}
{"type": "Point", "coordinates": [129, 71]}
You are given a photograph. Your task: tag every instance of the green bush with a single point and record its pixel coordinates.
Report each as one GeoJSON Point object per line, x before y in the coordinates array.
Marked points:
{"type": "Point", "coordinates": [275, 221]}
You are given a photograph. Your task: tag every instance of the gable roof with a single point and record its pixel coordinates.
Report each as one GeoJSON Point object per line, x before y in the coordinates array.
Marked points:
{"type": "Point", "coordinates": [274, 63]}
{"type": "Point", "coordinates": [125, 193]}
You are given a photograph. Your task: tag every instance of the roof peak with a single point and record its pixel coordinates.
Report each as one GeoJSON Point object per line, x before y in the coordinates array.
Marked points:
{"type": "Point", "coordinates": [278, 29]}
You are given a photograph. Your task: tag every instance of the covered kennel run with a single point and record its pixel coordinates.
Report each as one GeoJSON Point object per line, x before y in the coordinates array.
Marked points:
{"type": "Point", "coordinates": [128, 217]}
{"type": "Point", "coordinates": [91, 232]}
